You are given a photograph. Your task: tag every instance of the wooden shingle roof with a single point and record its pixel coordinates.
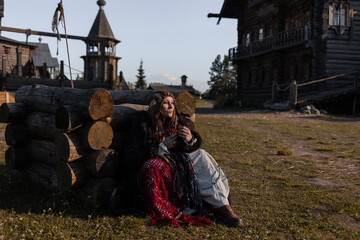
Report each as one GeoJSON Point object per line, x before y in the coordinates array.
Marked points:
{"type": "Point", "coordinates": [101, 27]}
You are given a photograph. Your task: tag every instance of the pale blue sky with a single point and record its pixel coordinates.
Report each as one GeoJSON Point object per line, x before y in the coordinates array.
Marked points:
{"type": "Point", "coordinates": [172, 37]}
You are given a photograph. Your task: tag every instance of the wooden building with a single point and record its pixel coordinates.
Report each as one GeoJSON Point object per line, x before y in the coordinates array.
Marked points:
{"type": "Point", "coordinates": [176, 88]}
{"type": "Point", "coordinates": [100, 61]}
{"type": "Point", "coordinates": [26, 59]}
{"type": "Point", "coordinates": [32, 63]}
{"type": "Point", "coordinates": [285, 41]}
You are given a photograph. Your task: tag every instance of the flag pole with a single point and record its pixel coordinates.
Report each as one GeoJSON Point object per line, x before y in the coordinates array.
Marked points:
{"type": "Point", "coordinates": [67, 47]}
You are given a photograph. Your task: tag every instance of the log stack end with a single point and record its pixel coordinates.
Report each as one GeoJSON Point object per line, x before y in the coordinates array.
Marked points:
{"type": "Point", "coordinates": [101, 105]}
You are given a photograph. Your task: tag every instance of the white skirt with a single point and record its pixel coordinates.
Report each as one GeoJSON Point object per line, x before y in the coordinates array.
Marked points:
{"type": "Point", "coordinates": [213, 183]}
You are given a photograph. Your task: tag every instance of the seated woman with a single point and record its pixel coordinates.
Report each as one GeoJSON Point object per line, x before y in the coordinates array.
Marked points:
{"type": "Point", "coordinates": [176, 177]}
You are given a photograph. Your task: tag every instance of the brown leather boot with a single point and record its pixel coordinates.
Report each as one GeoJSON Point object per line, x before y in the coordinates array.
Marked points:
{"type": "Point", "coordinates": [226, 214]}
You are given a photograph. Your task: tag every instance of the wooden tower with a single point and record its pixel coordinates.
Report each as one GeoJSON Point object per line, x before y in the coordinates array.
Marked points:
{"type": "Point", "coordinates": [100, 62]}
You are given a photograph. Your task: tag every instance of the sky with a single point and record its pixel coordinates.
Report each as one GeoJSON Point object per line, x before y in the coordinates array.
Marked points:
{"type": "Point", "coordinates": [173, 38]}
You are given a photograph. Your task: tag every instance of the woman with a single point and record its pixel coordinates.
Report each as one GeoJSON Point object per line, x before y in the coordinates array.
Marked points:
{"type": "Point", "coordinates": [176, 177]}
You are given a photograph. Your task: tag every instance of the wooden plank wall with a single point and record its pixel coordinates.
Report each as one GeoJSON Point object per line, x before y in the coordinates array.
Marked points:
{"type": "Point", "coordinates": [343, 50]}
{"type": "Point", "coordinates": [7, 97]}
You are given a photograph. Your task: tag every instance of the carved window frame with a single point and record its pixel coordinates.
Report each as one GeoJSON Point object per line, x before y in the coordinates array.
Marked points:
{"type": "Point", "coordinates": [340, 16]}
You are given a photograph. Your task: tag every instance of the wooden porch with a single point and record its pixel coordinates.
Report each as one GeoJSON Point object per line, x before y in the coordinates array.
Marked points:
{"type": "Point", "coordinates": [279, 41]}
{"type": "Point", "coordinates": [321, 90]}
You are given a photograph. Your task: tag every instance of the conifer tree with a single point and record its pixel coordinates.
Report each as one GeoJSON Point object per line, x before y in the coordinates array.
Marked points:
{"type": "Point", "coordinates": [222, 77]}
{"type": "Point", "coordinates": [141, 82]}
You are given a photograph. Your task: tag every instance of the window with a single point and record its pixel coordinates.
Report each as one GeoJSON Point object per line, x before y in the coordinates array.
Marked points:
{"type": "Point", "coordinates": [247, 40]}
{"type": "Point", "coordinates": [261, 34]}
{"type": "Point", "coordinates": [6, 50]}
{"type": "Point", "coordinates": [339, 14]}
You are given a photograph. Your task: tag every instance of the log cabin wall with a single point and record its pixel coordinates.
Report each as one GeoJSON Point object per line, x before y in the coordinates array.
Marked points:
{"type": "Point", "coordinates": [12, 55]}
{"type": "Point", "coordinates": [280, 41]}
{"type": "Point", "coordinates": [341, 24]}
{"type": "Point", "coordinates": [261, 27]}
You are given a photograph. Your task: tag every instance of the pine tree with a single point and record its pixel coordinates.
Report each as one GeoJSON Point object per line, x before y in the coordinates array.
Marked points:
{"type": "Point", "coordinates": [141, 82]}
{"type": "Point", "coordinates": [222, 77]}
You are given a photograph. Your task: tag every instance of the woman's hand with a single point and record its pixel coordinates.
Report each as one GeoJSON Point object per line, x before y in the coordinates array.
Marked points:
{"type": "Point", "coordinates": [170, 141]}
{"type": "Point", "coordinates": [185, 134]}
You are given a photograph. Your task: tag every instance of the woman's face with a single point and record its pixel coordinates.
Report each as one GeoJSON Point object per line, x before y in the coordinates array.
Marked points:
{"type": "Point", "coordinates": [168, 107]}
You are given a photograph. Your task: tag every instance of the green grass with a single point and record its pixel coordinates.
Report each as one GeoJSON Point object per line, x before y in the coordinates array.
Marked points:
{"type": "Point", "coordinates": [202, 103]}
{"type": "Point", "coordinates": [312, 193]}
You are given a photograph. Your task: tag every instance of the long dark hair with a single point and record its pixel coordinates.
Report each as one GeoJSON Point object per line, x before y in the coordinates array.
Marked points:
{"type": "Point", "coordinates": [162, 128]}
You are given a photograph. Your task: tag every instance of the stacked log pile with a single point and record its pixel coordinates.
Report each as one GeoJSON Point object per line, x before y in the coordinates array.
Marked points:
{"type": "Point", "coordinates": [71, 138]}
{"type": "Point", "coordinates": [60, 137]}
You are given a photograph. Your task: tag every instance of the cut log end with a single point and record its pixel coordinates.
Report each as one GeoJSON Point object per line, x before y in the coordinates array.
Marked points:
{"type": "Point", "coordinates": [102, 163]}
{"type": "Point", "coordinates": [69, 147]}
{"type": "Point", "coordinates": [185, 104]}
{"type": "Point", "coordinates": [16, 135]}
{"type": "Point", "coordinates": [62, 147]}
{"type": "Point", "coordinates": [71, 175]}
{"type": "Point", "coordinates": [101, 105]}
{"type": "Point", "coordinates": [13, 112]}
{"type": "Point", "coordinates": [4, 116]}
{"type": "Point", "coordinates": [15, 158]}
{"type": "Point", "coordinates": [99, 136]}
{"type": "Point", "coordinates": [62, 118]}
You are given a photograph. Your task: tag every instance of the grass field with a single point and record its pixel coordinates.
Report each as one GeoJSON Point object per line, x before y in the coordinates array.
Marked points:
{"type": "Point", "coordinates": [291, 177]}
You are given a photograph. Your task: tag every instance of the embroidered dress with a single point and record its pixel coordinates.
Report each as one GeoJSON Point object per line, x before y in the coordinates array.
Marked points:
{"type": "Point", "coordinates": [157, 183]}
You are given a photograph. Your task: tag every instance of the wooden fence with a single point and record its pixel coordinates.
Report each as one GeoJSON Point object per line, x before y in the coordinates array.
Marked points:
{"type": "Point", "coordinates": [305, 92]}
{"type": "Point", "coordinates": [7, 97]}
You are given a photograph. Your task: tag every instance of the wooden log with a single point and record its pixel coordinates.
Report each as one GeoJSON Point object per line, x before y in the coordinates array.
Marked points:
{"type": "Point", "coordinates": [92, 103]}
{"type": "Point", "coordinates": [13, 112]}
{"type": "Point", "coordinates": [16, 158]}
{"type": "Point", "coordinates": [43, 174]}
{"type": "Point", "coordinates": [131, 96]}
{"type": "Point", "coordinates": [69, 147]}
{"type": "Point", "coordinates": [122, 115]}
{"type": "Point", "coordinates": [135, 96]}
{"type": "Point", "coordinates": [68, 118]}
{"type": "Point", "coordinates": [42, 151]}
{"type": "Point", "coordinates": [102, 163]}
{"type": "Point", "coordinates": [41, 125]}
{"type": "Point", "coordinates": [71, 175]}
{"type": "Point", "coordinates": [97, 135]}
{"type": "Point", "coordinates": [97, 191]}
{"type": "Point", "coordinates": [16, 135]}
{"type": "Point", "coordinates": [119, 139]}
{"type": "Point", "coordinates": [185, 104]}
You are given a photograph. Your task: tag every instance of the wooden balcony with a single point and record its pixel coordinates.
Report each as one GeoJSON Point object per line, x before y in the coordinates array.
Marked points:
{"type": "Point", "coordinates": [275, 42]}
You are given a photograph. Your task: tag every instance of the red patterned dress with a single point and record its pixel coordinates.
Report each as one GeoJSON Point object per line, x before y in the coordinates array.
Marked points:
{"type": "Point", "coordinates": [157, 183]}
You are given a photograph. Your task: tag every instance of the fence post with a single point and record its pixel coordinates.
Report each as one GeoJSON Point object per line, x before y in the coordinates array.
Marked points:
{"type": "Point", "coordinates": [274, 92]}
{"type": "Point", "coordinates": [61, 73]}
{"type": "Point", "coordinates": [293, 94]}
{"type": "Point", "coordinates": [356, 79]}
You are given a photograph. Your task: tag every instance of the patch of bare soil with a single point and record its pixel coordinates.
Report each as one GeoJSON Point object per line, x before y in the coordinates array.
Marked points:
{"type": "Point", "coordinates": [322, 182]}
{"type": "Point", "coordinates": [346, 221]}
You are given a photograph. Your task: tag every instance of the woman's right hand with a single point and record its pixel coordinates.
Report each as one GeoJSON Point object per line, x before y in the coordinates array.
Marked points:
{"type": "Point", "coordinates": [170, 141]}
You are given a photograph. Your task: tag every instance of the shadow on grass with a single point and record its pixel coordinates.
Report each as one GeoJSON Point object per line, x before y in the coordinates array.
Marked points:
{"type": "Point", "coordinates": [18, 194]}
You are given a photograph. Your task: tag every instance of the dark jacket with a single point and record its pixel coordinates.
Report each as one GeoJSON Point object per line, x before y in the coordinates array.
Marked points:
{"type": "Point", "coordinates": [140, 147]}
